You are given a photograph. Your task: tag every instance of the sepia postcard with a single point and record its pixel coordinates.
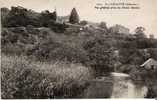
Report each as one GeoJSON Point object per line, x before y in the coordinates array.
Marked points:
{"type": "Point", "coordinates": [78, 49]}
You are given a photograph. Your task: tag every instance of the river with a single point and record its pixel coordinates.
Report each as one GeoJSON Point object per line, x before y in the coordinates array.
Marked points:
{"type": "Point", "coordinates": [125, 88]}
{"type": "Point", "coordinates": [117, 85]}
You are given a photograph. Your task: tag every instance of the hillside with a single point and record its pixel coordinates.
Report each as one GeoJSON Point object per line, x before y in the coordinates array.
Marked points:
{"type": "Point", "coordinates": [42, 37]}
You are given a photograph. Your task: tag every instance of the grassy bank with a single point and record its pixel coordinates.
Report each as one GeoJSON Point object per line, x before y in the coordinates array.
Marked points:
{"type": "Point", "coordinates": [23, 78]}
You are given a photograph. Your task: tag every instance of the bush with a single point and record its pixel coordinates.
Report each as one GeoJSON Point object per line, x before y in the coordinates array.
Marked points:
{"type": "Point", "coordinates": [132, 56]}
{"type": "Point", "coordinates": [22, 78]}
{"type": "Point", "coordinates": [57, 27]}
{"type": "Point", "coordinates": [53, 50]}
{"type": "Point", "coordinates": [100, 55]}
{"type": "Point", "coordinates": [126, 68]}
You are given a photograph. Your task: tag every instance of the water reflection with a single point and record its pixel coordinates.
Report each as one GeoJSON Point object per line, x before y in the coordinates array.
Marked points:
{"type": "Point", "coordinates": [117, 85]}
{"type": "Point", "coordinates": [124, 87]}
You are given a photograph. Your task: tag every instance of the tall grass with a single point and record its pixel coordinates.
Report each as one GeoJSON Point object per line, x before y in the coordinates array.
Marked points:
{"type": "Point", "coordinates": [23, 78]}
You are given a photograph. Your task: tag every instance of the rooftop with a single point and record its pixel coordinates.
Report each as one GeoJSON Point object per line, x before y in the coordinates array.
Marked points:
{"type": "Point", "coordinates": [150, 60]}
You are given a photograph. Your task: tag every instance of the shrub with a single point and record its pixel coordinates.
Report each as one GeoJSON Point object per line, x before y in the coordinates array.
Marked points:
{"type": "Point", "coordinates": [23, 78]}
{"type": "Point", "coordinates": [17, 17]}
{"type": "Point", "coordinates": [132, 56]}
{"type": "Point", "coordinates": [57, 27]}
{"type": "Point", "coordinates": [126, 68]}
{"type": "Point", "coordinates": [100, 55]}
{"type": "Point", "coordinates": [53, 50]}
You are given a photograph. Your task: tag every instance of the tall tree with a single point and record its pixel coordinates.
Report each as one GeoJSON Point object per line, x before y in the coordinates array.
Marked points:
{"type": "Point", "coordinates": [139, 32]}
{"type": "Point", "coordinates": [4, 15]}
{"type": "Point", "coordinates": [54, 15]}
{"type": "Point", "coordinates": [18, 17]}
{"type": "Point", "coordinates": [74, 17]}
{"type": "Point", "coordinates": [103, 25]}
{"type": "Point", "coordinates": [48, 17]}
{"type": "Point", "coordinates": [151, 36]}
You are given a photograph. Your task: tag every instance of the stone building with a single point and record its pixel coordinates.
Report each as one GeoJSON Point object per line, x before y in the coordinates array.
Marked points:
{"type": "Point", "coordinates": [119, 29]}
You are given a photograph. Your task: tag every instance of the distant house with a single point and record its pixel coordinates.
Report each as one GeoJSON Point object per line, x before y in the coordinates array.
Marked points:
{"type": "Point", "coordinates": [119, 29]}
{"type": "Point", "coordinates": [74, 27]}
{"type": "Point", "coordinates": [150, 64]}
{"type": "Point", "coordinates": [92, 25]}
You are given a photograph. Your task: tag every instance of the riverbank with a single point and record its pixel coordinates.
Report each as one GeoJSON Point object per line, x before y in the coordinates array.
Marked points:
{"type": "Point", "coordinates": [23, 78]}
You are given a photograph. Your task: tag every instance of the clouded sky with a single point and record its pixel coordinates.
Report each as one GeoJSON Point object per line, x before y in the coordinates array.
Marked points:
{"type": "Point", "coordinates": [146, 16]}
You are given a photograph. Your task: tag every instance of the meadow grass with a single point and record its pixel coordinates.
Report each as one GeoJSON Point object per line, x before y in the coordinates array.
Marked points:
{"type": "Point", "coordinates": [24, 78]}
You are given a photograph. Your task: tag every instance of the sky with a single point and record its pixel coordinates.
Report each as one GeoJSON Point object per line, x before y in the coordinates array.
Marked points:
{"type": "Point", "coordinates": [146, 16]}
